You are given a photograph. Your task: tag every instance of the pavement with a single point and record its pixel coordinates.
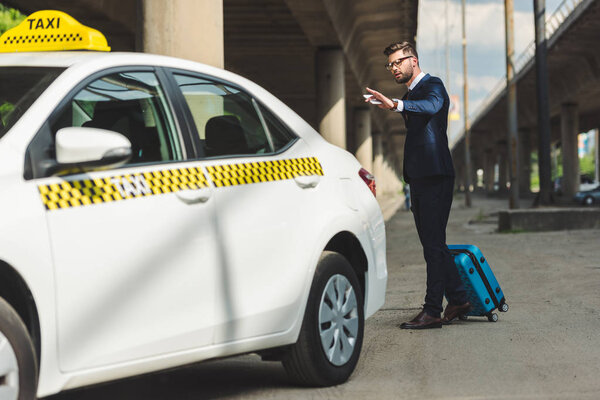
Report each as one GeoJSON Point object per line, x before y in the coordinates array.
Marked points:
{"type": "Point", "coordinates": [547, 346]}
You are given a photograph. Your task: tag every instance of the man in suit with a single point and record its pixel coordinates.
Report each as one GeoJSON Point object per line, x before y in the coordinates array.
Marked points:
{"type": "Point", "coordinates": [429, 171]}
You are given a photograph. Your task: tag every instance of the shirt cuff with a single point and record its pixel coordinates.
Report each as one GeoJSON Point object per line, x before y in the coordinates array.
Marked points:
{"type": "Point", "coordinates": [400, 107]}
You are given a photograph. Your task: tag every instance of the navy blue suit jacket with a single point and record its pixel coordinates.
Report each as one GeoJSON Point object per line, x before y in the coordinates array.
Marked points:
{"type": "Point", "coordinates": [425, 114]}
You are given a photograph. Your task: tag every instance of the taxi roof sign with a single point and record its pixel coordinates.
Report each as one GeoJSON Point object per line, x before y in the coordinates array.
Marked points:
{"type": "Point", "coordinates": [51, 30]}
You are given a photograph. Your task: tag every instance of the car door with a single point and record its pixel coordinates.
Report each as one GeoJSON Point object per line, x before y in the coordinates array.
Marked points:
{"type": "Point", "coordinates": [133, 247]}
{"type": "Point", "coordinates": [266, 187]}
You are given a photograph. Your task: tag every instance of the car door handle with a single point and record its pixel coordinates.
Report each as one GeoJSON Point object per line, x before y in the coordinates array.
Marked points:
{"type": "Point", "coordinates": [306, 182]}
{"type": "Point", "coordinates": [192, 196]}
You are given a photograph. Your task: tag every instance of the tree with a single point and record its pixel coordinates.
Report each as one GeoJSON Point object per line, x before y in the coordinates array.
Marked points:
{"type": "Point", "coordinates": [9, 18]}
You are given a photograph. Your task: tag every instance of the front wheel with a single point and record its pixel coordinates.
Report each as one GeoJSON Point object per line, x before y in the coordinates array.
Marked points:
{"type": "Point", "coordinates": [588, 201]}
{"type": "Point", "coordinates": [18, 368]}
{"type": "Point", "coordinates": [331, 336]}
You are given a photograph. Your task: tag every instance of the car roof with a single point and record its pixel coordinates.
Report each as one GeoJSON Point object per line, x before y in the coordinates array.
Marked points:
{"type": "Point", "coordinates": [49, 58]}
{"type": "Point", "coordinates": [67, 59]}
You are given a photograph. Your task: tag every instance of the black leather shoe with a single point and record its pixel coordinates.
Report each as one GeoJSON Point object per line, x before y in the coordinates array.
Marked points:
{"type": "Point", "coordinates": [422, 321]}
{"type": "Point", "coordinates": [453, 311]}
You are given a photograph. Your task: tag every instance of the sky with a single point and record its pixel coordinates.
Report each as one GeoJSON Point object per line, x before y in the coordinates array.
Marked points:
{"type": "Point", "coordinates": [486, 64]}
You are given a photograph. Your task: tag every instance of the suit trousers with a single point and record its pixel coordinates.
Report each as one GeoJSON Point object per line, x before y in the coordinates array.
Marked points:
{"type": "Point", "coordinates": [431, 199]}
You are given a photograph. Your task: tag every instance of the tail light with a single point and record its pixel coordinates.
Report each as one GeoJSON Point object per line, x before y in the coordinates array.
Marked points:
{"type": "Point", "coordinates": [369, 179]}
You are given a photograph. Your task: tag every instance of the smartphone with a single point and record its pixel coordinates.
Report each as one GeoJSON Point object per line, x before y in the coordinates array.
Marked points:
{"type": "Point", "coordinates": [372, 101]}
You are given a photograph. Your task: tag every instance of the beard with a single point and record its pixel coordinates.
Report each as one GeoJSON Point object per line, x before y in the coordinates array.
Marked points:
{"type": "Point", "coordinates": [405, 77]}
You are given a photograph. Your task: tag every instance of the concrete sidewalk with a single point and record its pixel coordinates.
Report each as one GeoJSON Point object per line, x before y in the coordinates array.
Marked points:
{"type": "Point", "coordinates": [547, 346]}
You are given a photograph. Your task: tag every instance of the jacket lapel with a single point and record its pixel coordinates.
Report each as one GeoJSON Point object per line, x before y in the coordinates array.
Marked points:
{"type": "Point", "coordinates": [418, 86]}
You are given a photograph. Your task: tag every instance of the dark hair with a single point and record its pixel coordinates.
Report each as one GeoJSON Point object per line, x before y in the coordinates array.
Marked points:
{"type": "Point", "coordinates": [406, 47]}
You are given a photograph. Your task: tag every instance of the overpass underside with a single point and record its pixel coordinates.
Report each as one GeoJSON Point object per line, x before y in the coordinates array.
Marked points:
{"type": "Point", "coordinates": [574, 98]}
{"type": "Point", "coordinates": [315, 55]}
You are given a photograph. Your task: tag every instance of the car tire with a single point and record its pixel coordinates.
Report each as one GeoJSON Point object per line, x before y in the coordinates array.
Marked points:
{"type": "Point", "coordinates": [331, 335]}
{"type": "Point", "coordinates": [588, 201]}
{"type": "Point", "coordinates": [18, 366]}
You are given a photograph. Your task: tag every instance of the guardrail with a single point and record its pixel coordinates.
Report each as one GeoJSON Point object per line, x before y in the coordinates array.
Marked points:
{"type": "Point", "coordinates": [553, 22]}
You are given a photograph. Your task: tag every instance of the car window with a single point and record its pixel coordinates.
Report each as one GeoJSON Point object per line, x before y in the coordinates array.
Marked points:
{"type": "Point", "coordinates": [19, 88]}
{"type": "Point", "coordinates": [280, 134]}
{"type": "Point", "coordinates": [130, 103]}
{"type": "Point", "coordinates": [228, 121]}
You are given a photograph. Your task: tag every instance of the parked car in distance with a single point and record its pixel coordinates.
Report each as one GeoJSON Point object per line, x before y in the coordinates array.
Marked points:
{"type": "Point", "coordinates": [588, 197]}
{"type": "Point", "coordinates": [586, 182]}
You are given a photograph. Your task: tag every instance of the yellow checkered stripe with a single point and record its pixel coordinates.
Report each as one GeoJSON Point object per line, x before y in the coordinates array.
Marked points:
{"type": "Point", "coordinates": [103, 190]}
{"type": "Point", "coordinates": [263, 171]}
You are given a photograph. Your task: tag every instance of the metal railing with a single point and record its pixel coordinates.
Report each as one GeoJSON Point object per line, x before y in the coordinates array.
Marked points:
{"type": "Point", "coordinates": [553, 22]}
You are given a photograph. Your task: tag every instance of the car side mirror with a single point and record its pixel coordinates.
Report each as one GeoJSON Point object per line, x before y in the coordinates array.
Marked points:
{"type": "Point", "coordinates": [80, 149]}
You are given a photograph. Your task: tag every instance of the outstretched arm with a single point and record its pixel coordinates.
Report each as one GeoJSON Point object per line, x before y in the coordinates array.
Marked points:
{"type": "Point", "coordinates": [431, 104]}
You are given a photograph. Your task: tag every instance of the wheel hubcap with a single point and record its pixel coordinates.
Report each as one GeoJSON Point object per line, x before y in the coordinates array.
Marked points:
{"type": "Point", "coordinates": [338, 320]}
{"type": "Point", "coordinates": [9, 370]}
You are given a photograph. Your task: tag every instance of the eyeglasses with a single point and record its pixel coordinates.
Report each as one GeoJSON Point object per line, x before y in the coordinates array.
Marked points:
{"type": "Point", "coordinates": [396, 63]}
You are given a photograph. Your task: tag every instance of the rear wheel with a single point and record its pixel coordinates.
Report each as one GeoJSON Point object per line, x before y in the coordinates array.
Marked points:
{"type": "Point", "coordinates": [18, 368]}
{"type": "Point", "coordinates": [588, 201]}
{"type": "Point", "coordinates": [330, 340]}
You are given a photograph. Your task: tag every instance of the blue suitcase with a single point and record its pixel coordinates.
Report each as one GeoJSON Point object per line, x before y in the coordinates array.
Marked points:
{"type": "Point", "coordinates": [482, 287]}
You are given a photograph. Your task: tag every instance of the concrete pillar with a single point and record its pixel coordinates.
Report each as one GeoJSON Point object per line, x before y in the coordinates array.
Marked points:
{"type": "Point", "coordinates": [378, 160]}
{"type": "Point", "coordinates": [461, 178]}
{"type": "Point", "coordinates": [389, 175]}
{"type": "Point", "coordinates": [458, 177]}
{"type": "Point", "coordinates": [363, 139]}
{"type": "Point", "coordinates": [489, 171]}
{"type": "Point", "coordinates": [474, 176]}
{"type": "Point", "coordinates": [502, 170]}
{"type": "Point", "coordinates": [169, 25]}
{"type": "Point", "coordinates": [392, 183]}
{"type": "Point", "coordinates": [397, 142]}
{"type": "Point", "coordinates": [554, 158]}
{"type": "Point", "coordinates": [525, 169]}
{"type": "Point", "coordinates": [331, 101]}
{"type": "Point", "coordinates": [569, 126]}
{"type": "Point", "coordinates": [597, 157]}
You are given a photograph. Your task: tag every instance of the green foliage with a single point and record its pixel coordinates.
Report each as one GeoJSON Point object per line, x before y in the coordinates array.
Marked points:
{"type": "Point", "coordinates": [9, 18]}
{"type": "Point", "coordinates": [586, 164]}
{"type": "Point", "coordinates": [586, 167]}
{"type": "Point", "coordinates": [5, 110]}
{"type": "Point", "coordinates": [535, 176]}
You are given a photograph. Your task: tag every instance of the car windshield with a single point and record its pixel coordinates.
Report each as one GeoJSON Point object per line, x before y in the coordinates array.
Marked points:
{"type": "Point", "coordinates": [19, 88]}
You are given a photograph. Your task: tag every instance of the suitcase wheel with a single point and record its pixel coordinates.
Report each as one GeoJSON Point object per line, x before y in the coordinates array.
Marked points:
{"type": "Point", "coordinates": [493, 317]}
{"type": "Point", "coordinates": [463, 317]}
{"type": "Point", "coordinates": [504, 307]}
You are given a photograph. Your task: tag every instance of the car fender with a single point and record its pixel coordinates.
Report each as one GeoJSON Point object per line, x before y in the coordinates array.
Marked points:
{"type": "Point", "coordinates": [24, 246]}
{"type": "Point", "coordinates": [342, 221]}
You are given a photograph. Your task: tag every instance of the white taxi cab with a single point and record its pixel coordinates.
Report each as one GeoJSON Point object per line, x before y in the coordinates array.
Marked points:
{"type": "Point", "coordinates": [158, 212]}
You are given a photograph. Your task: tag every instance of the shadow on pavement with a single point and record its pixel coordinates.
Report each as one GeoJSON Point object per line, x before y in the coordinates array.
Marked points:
{"type": "Point", "coordinates": [209, 380]}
